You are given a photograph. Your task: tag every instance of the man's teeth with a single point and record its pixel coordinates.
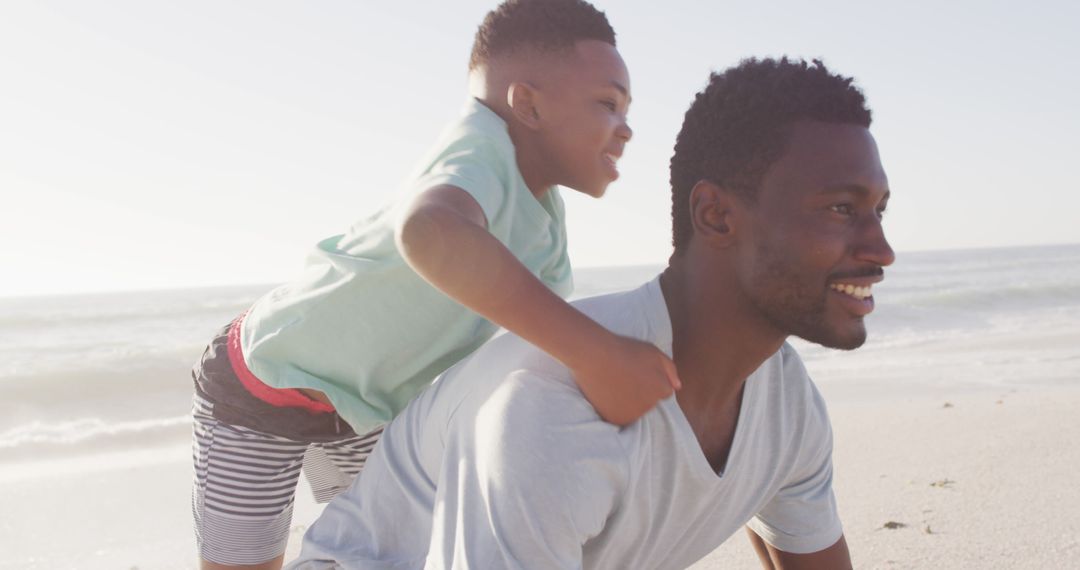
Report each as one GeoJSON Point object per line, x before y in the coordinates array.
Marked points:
{"type": "Point", "coordinates": [611, 157]}
{"type": "Point", "coordinates": [857, 292]}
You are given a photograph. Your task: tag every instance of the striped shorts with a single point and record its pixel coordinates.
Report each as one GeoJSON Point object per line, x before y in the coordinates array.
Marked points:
{"type": "Point", "coordinates": [242, 498]}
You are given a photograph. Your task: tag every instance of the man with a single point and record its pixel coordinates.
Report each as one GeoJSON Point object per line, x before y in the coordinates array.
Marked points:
{"type": "Point", "coordinates": [778, 194]}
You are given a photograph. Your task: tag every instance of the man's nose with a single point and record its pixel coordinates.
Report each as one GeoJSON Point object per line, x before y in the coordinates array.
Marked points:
{"type": "Point", "coordinates": [624, 132]}
{"type": "Point", "coordinates": [872, 246]}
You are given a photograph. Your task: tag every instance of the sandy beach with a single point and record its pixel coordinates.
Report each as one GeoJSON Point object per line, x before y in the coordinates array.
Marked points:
{"type": "Point", "coordinates": [974, 478]}
{"type": "Point", "coordinates": [938, 479]}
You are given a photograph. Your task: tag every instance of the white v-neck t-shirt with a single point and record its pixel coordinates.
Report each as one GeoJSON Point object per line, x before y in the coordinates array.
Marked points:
{"type": "Point", "coordinates": [502, 463]}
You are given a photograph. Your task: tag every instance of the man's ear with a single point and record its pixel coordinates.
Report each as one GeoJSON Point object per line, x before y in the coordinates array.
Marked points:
{"type": "Point", "coordinates": [521, 97]}
{"type": "Point", "coordinates": [714, 214]}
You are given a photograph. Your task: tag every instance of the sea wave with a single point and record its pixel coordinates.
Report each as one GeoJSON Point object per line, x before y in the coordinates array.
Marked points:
{"type": "Point", "coordinates": [132, 308]}
{"type": "Point", "coordinates": [83, 430]}
{"type": "Point", "coordinates": [989, 297]}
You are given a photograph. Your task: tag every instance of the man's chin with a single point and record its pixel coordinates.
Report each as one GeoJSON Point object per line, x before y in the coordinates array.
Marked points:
{"type": "Point", "coordinates": [840, 340]}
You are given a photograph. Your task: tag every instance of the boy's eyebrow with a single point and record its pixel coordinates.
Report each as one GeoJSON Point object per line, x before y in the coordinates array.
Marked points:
{"type": "Point", "coordinates": [622, 88]}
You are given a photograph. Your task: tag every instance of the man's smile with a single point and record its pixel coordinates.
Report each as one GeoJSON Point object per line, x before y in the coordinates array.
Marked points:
{"type": "Point", "coordinates": [855, 292]}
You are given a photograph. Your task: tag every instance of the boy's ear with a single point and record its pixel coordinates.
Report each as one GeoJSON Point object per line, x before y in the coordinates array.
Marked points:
{"type": "Point", "coordinates": [521, 97]}
{"type": "Point", "coordinates": [715, 213]}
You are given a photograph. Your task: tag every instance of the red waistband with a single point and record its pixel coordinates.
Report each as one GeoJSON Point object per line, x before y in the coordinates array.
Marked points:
{"type": "Point", "coordinates": [280, 397]}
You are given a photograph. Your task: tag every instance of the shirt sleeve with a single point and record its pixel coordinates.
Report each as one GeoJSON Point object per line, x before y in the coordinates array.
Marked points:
{"type": "Point", "coordinates": [473, 168]}
{"type": "Point", "coordinates": [802, 516]}
{"type": "Point", "coordinates": [526, 481]}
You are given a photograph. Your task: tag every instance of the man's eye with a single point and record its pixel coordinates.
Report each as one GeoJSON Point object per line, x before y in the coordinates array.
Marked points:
{"type": "Point", "coordinates": [611, 106]}
{"type": "Point", "coordinates": [843, 209]}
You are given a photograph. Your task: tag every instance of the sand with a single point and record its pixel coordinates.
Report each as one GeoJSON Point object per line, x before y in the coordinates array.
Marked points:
{"type": "Point", "coordinates": [980, 479]}
{"type": "Point", "coordinates": [971, 477]}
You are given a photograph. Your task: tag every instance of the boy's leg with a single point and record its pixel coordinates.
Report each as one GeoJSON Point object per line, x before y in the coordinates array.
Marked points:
{"type": "Point", "coordinates": [330, 467]}
{"type": "Point", "coordinates": [243, 491]}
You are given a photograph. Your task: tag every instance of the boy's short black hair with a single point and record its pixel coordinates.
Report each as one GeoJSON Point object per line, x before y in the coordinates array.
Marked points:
{"type": "Point", "coordinates": [738, 125]}
{"type": "Point", "coordinates": [539, 24]}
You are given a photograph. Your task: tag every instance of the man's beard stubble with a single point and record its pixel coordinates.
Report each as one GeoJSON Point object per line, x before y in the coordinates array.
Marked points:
{"type": "Point", "coordinates": [796, 307]}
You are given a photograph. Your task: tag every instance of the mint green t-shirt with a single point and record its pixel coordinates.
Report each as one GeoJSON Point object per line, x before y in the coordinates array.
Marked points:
{"type": "Point", "coordinates": [361, 326]}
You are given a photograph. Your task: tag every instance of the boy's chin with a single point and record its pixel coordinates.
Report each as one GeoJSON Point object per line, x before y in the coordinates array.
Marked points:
{"type": "Point", "coordinates": [595, 191]}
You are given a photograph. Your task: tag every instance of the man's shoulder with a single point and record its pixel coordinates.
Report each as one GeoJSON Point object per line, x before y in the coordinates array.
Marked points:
{"type": "Point", "coordinates": [791, 394]}
{"type": "Point", "coordinates": [503, 378]}
{"type": "Point", "coordinates": [536, 399]}
{"type": "Point", "coordinates": [786, 368]}
{"type": "Point", "coordinates": [632, 312]}
{"type": "Point", "coordinates": [536, 425]}
{"type": "Point", "coordinates": [638, 313]}
{"type": "Point", "coordinates": [510, 379]}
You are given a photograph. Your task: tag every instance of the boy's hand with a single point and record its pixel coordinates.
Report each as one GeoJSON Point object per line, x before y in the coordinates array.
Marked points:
{"type": "Point", "coordinates": [627, 380]}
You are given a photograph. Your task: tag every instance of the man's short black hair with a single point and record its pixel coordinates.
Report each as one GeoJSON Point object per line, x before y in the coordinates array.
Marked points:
{"type": "Point", "coordinates": [738, 126]}
{"type": "Point", "coordinates": [546, 25]}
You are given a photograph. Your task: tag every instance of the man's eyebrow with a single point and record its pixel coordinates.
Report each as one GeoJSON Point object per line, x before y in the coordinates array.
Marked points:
{"type": "Point", "coordinates": [851, 188]}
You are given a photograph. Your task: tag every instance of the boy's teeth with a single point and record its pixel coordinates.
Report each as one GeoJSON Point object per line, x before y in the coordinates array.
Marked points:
{"type": "Point", "coordinates": [849, 289]}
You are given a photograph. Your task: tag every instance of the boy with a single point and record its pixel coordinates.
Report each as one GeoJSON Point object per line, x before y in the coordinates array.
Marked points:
{"type": "Point", "coordinates": [477, 241]}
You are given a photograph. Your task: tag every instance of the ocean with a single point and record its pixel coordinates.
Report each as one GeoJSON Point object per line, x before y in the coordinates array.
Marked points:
{"type": "Point", "coordinates": [85, 373]}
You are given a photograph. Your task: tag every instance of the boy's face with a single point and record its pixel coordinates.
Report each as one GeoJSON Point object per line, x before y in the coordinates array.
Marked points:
{"type": "Point", "coordinates": [582, 106]}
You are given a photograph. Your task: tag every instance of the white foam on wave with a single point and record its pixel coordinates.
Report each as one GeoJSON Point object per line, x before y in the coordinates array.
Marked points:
{"type": "Point", "coordinates": [108, 461]}
{"type": "Point", "coordinates": [81, 430]}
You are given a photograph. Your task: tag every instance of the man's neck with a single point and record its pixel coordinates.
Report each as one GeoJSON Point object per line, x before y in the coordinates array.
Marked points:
{"type": "Point", "coordinates": [717, 340]}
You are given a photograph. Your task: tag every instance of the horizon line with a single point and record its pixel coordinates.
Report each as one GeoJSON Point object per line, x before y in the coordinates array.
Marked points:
{"type": "Point", "coordinates": [178, 288]}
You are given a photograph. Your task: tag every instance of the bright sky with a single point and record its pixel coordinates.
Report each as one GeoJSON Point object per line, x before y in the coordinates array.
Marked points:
{"type": "Point", "coordinates": [177, 144]}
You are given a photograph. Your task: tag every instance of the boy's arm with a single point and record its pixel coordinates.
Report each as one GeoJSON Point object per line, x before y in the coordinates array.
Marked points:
{"type": "Point", "coordinates": [444, 238]}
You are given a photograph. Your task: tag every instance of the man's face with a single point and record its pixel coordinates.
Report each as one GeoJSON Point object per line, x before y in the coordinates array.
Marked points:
{"type": "Point", "coordinates": [584, 104]}
{"type": "Point", "coordinates": [816, 243]}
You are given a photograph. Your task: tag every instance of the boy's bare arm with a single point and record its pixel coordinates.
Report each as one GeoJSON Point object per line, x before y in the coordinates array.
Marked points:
{"type": "Point", "coordinates": [444, 237]}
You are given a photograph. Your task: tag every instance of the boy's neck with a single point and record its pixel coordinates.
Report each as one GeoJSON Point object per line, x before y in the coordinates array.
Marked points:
{"type": "Point", "coordinates": [530, 164]}
{"type": "Point", "coordinates": [491, 90]}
